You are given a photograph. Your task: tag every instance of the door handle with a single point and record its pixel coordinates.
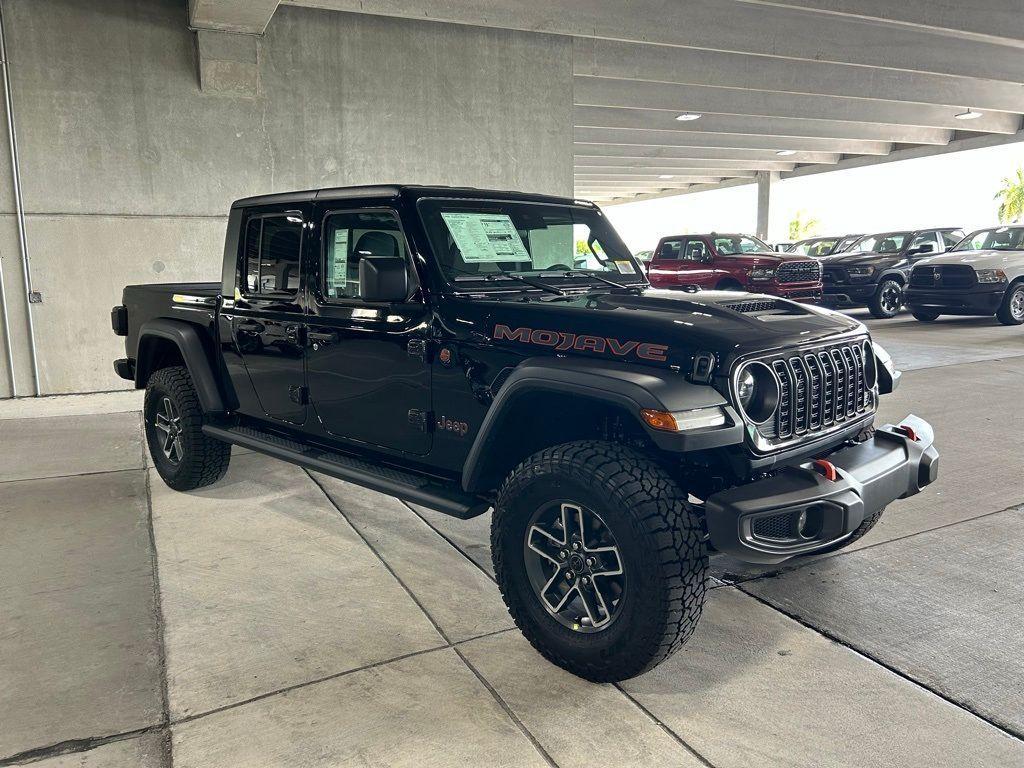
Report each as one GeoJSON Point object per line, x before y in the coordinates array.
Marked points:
{"type": "Point", "coordinates": [323, 337]}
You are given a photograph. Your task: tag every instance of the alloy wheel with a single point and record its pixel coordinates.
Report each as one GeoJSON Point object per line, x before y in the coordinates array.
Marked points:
{"type": "Point", "coordinates": [891, 298]}
{"type": "Point", "coordinates": [574, 566]}
{"type": "Point", "coordinates": [167, 420]}
{"type": "Point", "coordinates": [1017, 304]}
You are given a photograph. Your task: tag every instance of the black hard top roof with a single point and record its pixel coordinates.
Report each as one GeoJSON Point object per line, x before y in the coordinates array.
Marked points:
{"type": "Point", "coordinates": [391, 191]}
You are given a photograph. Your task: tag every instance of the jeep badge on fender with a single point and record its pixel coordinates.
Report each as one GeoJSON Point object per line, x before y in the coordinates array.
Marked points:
{"type": "Point", "coordinates": [617, 431]}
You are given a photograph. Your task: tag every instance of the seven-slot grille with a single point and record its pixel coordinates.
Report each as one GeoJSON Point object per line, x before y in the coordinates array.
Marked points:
{"type": "Point", "coordinates": [819, 389]}
{"type": "Point", "coordinates": [943, 276]}
{"type": "Point", "coordinates": [798, 272]}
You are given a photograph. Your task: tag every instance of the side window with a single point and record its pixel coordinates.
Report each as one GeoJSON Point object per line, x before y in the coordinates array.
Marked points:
{"type": "Point", "coordinates": [695, 250]}
{"type": "Point", "coordinates": [952, 238]}
{"type": "Point", "coordinates": [669, 249]}
{"type": "Point", "coordinates": [272, 248]}
{"type": "Point", "coordinates": [925, 238]}
{"type": "Point", "coordinates": [351, 236]}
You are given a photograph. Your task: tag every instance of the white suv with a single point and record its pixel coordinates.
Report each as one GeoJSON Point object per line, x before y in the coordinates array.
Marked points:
{"type": "Point", "coordinates": [982, 275]}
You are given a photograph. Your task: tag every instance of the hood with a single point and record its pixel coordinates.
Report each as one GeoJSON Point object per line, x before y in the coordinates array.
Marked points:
{"type": "Point", "coordinates": [979, 259]}
{"type": "Point", "coordinates": [656, 327]}
{"type": "Point", "coordinates": [764, 258]}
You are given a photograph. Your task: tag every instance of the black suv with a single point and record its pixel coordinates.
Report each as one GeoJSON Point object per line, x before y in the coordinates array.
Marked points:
{"type": "Point", "coordinates": [465, 349]}
{"type": "Point", "coordinates": [874, 270]}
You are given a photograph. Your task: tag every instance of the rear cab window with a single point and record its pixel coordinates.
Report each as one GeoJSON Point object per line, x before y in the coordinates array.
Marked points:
{"type": "Point", "coordinates": [272, 256]}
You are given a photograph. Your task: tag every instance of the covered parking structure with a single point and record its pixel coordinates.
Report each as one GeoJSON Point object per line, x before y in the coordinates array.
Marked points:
{"type": "Point", "coordinates": [137, 121]}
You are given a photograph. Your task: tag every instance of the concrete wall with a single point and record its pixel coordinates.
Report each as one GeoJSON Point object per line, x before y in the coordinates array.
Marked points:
{"type": "Point", "coordinates": [128, 167]}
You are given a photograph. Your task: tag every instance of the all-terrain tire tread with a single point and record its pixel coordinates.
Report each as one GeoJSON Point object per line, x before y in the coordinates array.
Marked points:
{"type": "Point", "coordinates": [659, 510]}
{"type": "Point", "coordinates": [206, 458]}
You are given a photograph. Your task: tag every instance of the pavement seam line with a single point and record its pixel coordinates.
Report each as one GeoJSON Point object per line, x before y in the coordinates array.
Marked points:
{"type": "Point", "coordinates": [885, 665]}
{"type": "Point", "coordinates": [158, 611]}
{"type": "Point", "coordinates": [75, 746]}
{"type": "Point", "coordinates": [451, 543]}
{"type": "Point", "coordinates": [73, 474]}
{"type": "Point", "coordinates": [497, 697]}
{"type": "Point", "coordinates": [675, 736]}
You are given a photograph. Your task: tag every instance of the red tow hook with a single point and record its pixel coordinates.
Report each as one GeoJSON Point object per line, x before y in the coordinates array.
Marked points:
{"type": "Point", "coordinates": [826, 469]}
{"type": "Point", "coordinates": [909, 432]}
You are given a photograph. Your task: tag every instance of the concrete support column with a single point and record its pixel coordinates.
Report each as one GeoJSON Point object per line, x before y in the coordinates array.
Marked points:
{"type": "Point", "coordinates": [765, 179]}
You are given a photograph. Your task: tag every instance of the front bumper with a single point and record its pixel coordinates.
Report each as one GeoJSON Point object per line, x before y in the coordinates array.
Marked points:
{"type": "Point", "coordinates": [835, 294]}
{"type": "Point", "coordinates": [982, 299]}
{"type": "Point", "coordinates": [758, 522]}
{"type": "Point", "coordinates": [807, 292]}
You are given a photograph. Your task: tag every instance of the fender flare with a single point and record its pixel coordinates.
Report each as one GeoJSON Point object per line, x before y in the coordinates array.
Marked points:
{"type": "Point", "coordinates": [630, 389]}
{"type": "Point", "coordinates": [185, 336]}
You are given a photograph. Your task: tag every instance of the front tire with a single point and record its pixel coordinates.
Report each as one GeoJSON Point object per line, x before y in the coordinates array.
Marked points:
{"type": "Point", "coordinates": [600, 559]}
{"type": "Point", "coordinates": [887, 300]}
{"type": "Point", "coordinates": [1011, 311]}
{"type": "Point", "coordinates": [184, 457]}
{"type": "Point", "coordinates": [925, 315]}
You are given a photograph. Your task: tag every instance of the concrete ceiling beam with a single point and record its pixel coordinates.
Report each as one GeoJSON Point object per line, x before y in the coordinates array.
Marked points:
{"type": "Point", "coordinates": [637, 61]}
{"type": "Point", "coordinates": [247, 16]}
{"type": "Point", "coordinates": [713, 25]}
{"type": "Point", "coordinates": [998, 21]}
{"type": "Point", "coordinates": [728, 140]}
{"type": "Point", "coordinates": [682, 97]}
{"type": "Point", "coordinates": [660, 120]}
{"type": "Point", "coordinates": [690, 154]}
{"type": "Point", "coordinates": [683, 167]}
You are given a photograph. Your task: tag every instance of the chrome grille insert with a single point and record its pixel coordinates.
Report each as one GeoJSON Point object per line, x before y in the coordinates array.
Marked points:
{"type": "Point", "coordinates": [798, 272]}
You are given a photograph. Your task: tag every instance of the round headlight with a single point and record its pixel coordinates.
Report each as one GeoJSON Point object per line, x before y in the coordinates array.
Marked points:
{"type": "Point", "coordinates": [757, 392]}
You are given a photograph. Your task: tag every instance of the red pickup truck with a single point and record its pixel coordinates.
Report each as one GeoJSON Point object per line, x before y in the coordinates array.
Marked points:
{"type": "Point", "coordinates": [734, 263]}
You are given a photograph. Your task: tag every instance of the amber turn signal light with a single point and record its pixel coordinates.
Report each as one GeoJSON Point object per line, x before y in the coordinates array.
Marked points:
{"type": "Point", "coordinates": [659, 420]}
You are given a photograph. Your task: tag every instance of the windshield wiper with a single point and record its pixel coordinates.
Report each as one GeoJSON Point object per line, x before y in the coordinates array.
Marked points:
{"type": "Point", "coordinates": [528, 281]}
{"type": "Point", "coordinates": [602, 278]}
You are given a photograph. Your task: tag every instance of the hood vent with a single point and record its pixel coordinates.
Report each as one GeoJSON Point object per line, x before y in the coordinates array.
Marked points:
{"type": "Point", "coordinates": [766, 308]}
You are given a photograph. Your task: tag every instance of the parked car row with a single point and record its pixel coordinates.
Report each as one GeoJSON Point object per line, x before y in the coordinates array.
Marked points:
{"type": "Point", "coordinates": [931, 271]}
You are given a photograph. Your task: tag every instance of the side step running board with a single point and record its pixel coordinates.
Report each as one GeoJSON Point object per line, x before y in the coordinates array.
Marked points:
{"type": "Point", "coordinates": [394, 482]}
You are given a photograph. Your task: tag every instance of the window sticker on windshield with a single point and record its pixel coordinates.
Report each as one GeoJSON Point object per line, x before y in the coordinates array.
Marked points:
{"type": "Point", "coordinates": [625, 267]}
{"type": "Point", "coordinates": [485, 237]}
{"type": "Point", "coordinates": [337, 275]}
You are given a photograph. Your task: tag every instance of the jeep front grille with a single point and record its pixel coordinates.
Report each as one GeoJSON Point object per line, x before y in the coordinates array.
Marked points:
{"type": "Point", "coordinates": [798, 272]}
{"type": "Point", "coordinates": [942, 276]}
{"type": "Point", "coordinates": [820, 389]}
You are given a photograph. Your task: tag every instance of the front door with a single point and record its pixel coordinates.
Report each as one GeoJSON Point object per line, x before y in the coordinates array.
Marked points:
{"type": "Point", "coordinates": [367, 366]}
{"type": "Point", "coordinates": [267, 318]}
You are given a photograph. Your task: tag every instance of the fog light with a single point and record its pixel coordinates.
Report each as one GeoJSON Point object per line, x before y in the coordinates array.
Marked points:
{"type": "Point", "coordinates": [809, 523]}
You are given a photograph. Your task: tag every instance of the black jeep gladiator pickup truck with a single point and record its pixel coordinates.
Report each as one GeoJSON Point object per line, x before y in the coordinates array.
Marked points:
{"type": "Point", "coordinates": [464, 349]}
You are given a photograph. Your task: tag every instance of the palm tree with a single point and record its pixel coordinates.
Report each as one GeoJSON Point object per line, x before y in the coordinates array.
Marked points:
{"type": "Point", "coordinates": [800, 229]}
{"type": "Point", "coordinates": [1011, 208]}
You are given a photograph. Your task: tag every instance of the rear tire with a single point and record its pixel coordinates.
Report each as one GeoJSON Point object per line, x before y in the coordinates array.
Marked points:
{"type": "Point", "coordinates": [887, 300]}
{"type": "Point", "coordinates": [925, 315]}
{"type": "Point", "coordinates": [729, 285]}
{"type": "Point", "coordinates": [184, 457]}
{"type": "Point", "coordinates": [1011, 311]}
{"type": "Point", "coordinates": [626, 503]}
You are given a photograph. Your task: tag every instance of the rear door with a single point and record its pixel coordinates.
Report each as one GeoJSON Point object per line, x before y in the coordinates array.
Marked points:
{"type": "Point", "coordinates": [268, 313]}
{"type": "Point", "coordinates": [682, 261]}
{"type": "Point", "coordinates": [368, 367]}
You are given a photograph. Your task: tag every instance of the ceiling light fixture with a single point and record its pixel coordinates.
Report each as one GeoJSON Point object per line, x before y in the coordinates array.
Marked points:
{"type": "Point", "coordinates": [969, 114]}
{"type": "Point", "coordinates": [786, 152]}
{"type": "Point", "coordinates": [666, 176]}
{"type": "Point", "coordinates": [687, 116]}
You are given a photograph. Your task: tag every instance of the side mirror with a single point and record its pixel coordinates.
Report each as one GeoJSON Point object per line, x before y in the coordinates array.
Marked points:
{"type": "Point", "coordinates": [383, 278]}
{"type": "Point", "coordinates": [923, 249]}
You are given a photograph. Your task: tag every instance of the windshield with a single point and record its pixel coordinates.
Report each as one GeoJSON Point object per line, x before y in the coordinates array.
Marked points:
{"type": "Point", "coordinates": [999, 239]}
{"type": "Point", "coordinates": [481, 239]}
{"type": "Point", "coordinates": [845, 243]}
{"type": "Point", "coordinates": [814, 247]}
{"type": "Point", "coordinates": [888, 242]}
{"type": "Point", "coordinates": [731, 245]}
